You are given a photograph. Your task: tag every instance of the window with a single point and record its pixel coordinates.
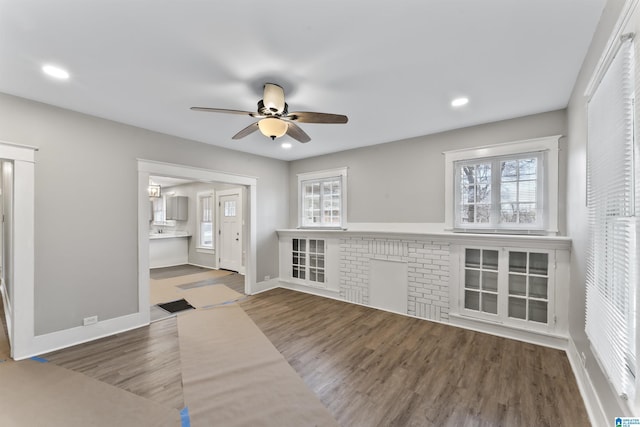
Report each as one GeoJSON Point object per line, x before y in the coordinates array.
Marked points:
{"type": "Point", "coordinates": [612, 275]}
{"type": "Point", "coordinates": [323, 199]}
{"type": "Point", "coordinates": [509, 187]}
{"type": "Point", "coordinates": [205, 220]}
{"type": "Point", "coordinates": [500, 192]}
{"type": "Point", "coordinates": [308, 260]}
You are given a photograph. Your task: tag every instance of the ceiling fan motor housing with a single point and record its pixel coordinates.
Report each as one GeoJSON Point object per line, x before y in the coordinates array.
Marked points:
{"type": "Point", "coordinates": [266, 111]}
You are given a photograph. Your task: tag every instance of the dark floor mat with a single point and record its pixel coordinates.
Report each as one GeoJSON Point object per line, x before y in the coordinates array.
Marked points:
{"type": "Point", "coordinates": [175, 306]}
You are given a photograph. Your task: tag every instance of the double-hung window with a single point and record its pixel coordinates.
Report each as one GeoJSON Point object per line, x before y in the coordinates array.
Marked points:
{"type": "Point", "coordinates": [503, 188]}
{"type": "Point", "coordinates": [322, 198]}
{"type": "Point", "coordinates": [205, 220]}
{"type": "Point", "coordinates": [500, 192]}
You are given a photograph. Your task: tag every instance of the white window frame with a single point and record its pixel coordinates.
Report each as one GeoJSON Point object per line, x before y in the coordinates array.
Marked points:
{"type": "Point", "coordinates": [546, 145]}
{"type": "Point", "coordinates": [303, 178]}
{"type": "Point", "coordinates": [199, 196]}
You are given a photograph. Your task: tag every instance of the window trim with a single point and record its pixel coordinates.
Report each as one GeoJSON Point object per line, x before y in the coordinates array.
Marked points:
{"type": "Point", "coordinates": [548, 145]}
{"type": "Point", "coordinates": [340, 173]}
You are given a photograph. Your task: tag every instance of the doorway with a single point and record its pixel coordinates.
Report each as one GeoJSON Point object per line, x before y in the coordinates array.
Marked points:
{"type": "Point", "coordinates": [246, 237]}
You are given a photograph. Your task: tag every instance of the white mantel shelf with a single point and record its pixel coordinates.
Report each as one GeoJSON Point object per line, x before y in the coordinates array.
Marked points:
{"type": "Point", "coordinates": [532, 241]}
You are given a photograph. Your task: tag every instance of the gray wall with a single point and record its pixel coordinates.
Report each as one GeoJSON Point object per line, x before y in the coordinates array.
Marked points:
{"type": "Point", "coordinates": [403, 181]}
{"type": "Point", "coordinates": [86, 206]}
{"type": "Point", "coordinates": [576, 205]}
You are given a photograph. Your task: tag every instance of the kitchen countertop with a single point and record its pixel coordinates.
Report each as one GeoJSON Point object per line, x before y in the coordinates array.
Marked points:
{"type": "Point", "coordinates": [154, 236]}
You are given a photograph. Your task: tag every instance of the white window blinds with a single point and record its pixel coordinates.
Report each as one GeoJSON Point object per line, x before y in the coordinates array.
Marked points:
{"type": "Point", "coordinates": [611, 269]}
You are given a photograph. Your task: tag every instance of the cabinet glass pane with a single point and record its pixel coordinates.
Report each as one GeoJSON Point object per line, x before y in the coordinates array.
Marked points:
{"type": "Point", "coordinates": [298, 272]}
{"type": "Point", "coordinates": [312, 245]}
{"type": "Point", "coordinates": [312, 274]}
{"type": "Point", "coordinates": [538, 263]}
{"type": "Point", "coordinates": [472, 279]}
{"type": "Point", "coordinates": [320, 247]}
{"type": "Point", "coordinates": [518, 262]}
{"type": "Point", "coordinates": [490, 303]}
{"type": "Point", "coordinates": [490, 281]}
{"type": "Point", "coordinates": [517, 308]}
{"type": "Point", "coordinates": [490, 260]}
{"type": "Point", "coordinates": [321, 277]}
{"type": "Point", "coordinates": [472, 258]}
{"type": "Point", "coordinates": [537, 287]}
{"type": "Point", "coordinates": [538, 311]}
{"type": "Point", "coordinates": [517, 284]}
{"type": "Point", "coordinates": [472, 300]}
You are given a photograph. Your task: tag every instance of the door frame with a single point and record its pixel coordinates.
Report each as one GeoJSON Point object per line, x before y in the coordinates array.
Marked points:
{"type": "Point", "coordinates": [20, 310]}
{"type": "Point", "coordinates": [151, 167]}
{"type": "Point", "coordinates": [241, 195]}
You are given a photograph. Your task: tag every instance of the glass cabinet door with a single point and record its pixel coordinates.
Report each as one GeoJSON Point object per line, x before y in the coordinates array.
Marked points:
{"type": "Point", "coordinates": [528, 286]}
{"type": "Point", "coordinates": [481, 280]}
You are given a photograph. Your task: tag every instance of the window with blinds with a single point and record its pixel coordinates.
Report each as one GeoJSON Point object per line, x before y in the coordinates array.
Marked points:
{"type": "Point", "coordinates": [205, 224]}
{"type": "Point", "coordinates": [503, 192]}
{"type": "Point", "coordinates": [612, 275]}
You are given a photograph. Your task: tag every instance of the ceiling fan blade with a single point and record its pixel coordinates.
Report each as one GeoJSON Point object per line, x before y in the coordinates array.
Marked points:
{"type": "Point", "coordinates": [224, 110]}
{"type": "Point", "coordinates": [296, 133]}
{"type": "Point", "coordinates": [246, 131]}
{"type": "Point", "coordinates": [311, 117]}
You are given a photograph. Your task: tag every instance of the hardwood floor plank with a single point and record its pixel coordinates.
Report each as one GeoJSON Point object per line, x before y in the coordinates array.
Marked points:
{"type": "Point", "coordinates": [371, 367]}
{"type": "Point", "coordinates": [145, 361]}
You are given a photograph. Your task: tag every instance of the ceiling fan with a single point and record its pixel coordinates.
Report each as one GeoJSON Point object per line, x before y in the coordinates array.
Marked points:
{"type": "Point", "coordinates": [275, 118]}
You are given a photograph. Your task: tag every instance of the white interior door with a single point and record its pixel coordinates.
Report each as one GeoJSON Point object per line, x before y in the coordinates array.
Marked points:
{"type": "Point", "coordinates": [230, 236]}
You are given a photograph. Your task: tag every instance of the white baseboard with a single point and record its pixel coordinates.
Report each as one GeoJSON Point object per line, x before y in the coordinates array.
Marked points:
{"type": "Point", "coordinates": [327, 293]}
{"type": "Point", "coordinates": [53, 341]}
{"type": "Point", "coordinates": [203, 266]}
{"type": "Point", "coordinates": [592, 402]}
{"type": "Point", "coordinates": [266, 285]}
{"type": "Point", "coordinates": [559, 342]}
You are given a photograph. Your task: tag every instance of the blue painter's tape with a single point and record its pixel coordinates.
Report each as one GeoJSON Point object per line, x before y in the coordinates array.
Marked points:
{"type": "Point", "coordinates": [39, 359]}
{"type": "Point", "coordinates": [184, 417]}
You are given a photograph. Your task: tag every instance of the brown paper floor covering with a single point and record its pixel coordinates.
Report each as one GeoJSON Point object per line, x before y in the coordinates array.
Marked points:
{"type": "Point", "coordinates": [233, 376]}
{"type": "Point", "coordinates": [43, 394]}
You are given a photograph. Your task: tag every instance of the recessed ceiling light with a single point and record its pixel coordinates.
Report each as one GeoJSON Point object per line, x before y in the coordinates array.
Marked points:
{"type": "Point", "coordinates": [56, 72]}
{"type": "Point", "coordinates": [459, 102]}
{"type": "Point", "coordinates": [286, 145]}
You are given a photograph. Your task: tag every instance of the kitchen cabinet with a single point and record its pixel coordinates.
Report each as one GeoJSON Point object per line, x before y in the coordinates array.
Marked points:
{"type": "Point", "coordinates": [177, 208]}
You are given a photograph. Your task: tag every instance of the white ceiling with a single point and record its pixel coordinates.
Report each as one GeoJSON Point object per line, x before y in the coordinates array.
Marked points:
{"type": "Point", "coordinates": [392, 67]}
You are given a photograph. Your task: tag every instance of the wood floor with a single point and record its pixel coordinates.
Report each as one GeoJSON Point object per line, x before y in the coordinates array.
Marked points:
{"type": "Point", "coordinates": [373, 368]}
{"type": "Point", "coordinates": [145, 361]}
{"type": "Point", "coordinates": [368, 367]}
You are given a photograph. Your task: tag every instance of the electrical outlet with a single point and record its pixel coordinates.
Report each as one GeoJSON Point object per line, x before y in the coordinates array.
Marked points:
{"type": "Point", "coordinates": [89, 320]}
{"type": "Point", "coordinates": [267, 277]}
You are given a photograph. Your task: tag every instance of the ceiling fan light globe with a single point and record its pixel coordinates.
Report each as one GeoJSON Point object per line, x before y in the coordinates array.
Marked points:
{"type": "Point", "coordinates": [272, 128]}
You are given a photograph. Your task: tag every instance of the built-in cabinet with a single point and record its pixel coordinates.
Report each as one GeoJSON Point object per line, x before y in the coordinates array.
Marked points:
{"type": "Point", "coordinates": [177, 208]}
{"type": "Point", "coordinates": [510, 285]}
{"type": "Point", "coordinates": [514, 286]}
{"type": "Point", "coordinates": [304, 261]}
